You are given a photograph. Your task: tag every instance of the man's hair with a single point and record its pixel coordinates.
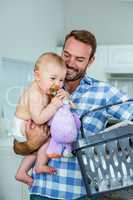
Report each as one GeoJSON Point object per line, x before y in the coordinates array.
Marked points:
{"type": "Point", "coordinates": [49, 57]}
{"type": "Point", "coordinates": [85, 37]}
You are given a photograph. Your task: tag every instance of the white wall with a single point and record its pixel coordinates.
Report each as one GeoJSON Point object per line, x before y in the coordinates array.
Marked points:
{"type": "Point", "coordinates": [110, 20]}
{"type": "Point", "coordinates": [30, 27]}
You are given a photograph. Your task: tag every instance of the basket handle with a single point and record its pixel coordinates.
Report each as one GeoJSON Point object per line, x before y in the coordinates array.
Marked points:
{"type": "Point", "coordinates": [97, 109]}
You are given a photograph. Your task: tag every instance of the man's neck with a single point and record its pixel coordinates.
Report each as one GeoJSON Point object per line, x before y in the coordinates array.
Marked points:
{"type": "Point", "coordinates": [71, 85]}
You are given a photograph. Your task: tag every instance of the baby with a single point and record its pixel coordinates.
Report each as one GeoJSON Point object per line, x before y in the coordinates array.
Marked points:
{"type": "Point", "coordinates": [35, 104]}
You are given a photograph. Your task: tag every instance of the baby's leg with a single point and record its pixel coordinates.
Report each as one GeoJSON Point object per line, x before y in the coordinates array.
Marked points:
{"type": "Point", "coordinates": [25, 166]}
{"type": "Point", "coordinates": [42, 160]}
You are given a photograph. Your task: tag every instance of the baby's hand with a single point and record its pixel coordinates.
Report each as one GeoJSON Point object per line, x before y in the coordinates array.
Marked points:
{"type": "Point", "coordinates": [63, 94]}
{"type": "Point", "coordinates": [57, 101]}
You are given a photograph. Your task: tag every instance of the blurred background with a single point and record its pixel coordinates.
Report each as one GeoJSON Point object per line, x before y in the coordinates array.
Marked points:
{"type": "Point", "coordinates": [29, 28]}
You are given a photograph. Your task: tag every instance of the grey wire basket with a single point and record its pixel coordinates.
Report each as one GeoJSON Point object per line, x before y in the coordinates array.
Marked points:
{"type": "Point", "coordinates": [106, 158]}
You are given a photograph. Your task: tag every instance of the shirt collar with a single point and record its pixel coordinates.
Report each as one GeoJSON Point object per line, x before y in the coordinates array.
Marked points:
{"type": "Point", "coordinates": [86, 80]}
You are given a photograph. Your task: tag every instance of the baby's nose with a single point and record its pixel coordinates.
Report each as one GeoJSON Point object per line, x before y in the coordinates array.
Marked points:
{"type": "Point", "coordinates": [57, 86]}
{"type": "Point", "coordinates": [57, 83]}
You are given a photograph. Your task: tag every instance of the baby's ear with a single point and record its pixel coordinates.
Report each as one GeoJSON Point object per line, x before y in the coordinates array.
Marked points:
{"type": "Point", "coordinates": [37, 75]}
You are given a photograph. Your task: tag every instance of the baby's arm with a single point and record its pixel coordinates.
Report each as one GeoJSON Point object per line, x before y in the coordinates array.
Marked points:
{"type": "Point", "coordinates": [40, 110]}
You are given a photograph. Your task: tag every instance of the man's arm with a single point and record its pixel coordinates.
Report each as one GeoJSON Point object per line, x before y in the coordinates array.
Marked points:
{"type": "Point", "coordinates": [37, 136]}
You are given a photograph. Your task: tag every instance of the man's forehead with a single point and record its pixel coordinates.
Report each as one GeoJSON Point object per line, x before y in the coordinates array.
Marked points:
{"type": "Point", "coordinates": [77, 48]}
{"type": "Point", "coordinates": [78, 53]}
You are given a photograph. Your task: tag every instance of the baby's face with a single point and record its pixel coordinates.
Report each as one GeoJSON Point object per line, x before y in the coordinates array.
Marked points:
{"type": "Point", "coordinates": [51, 74]}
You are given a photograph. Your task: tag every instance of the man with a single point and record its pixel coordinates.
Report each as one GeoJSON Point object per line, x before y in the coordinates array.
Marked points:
{"type": "Point", "coordinates": [87, 93]}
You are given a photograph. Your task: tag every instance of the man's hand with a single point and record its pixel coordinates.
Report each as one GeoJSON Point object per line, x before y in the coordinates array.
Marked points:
{"type": "Point", "coordinates": [36, 136]}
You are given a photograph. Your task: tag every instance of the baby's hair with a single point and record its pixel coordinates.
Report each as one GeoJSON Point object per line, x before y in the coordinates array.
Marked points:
{"type": "Point", "coordinates": [48, 58]}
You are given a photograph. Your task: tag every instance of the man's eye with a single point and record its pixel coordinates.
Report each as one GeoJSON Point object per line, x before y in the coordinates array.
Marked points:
{"type": "Point", "coordinates": [66, 55]}
{"type": "Point", "coordinates": [80, 60]}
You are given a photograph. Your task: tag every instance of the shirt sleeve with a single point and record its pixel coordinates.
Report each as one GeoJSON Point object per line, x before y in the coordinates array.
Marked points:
{"type": "Point", "coordinates": [122, 111]}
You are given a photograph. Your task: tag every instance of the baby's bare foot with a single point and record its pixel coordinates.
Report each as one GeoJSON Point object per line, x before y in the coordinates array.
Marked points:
{"type": "Point", "coordinates": [23, 177]}
{"type": "Point", "coordinates": [45, 169]}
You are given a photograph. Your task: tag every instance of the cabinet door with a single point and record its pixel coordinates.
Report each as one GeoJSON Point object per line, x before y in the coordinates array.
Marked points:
{"type": "Point", "coordinates": [9, 187]}
{"type": "Point", "coordinates": [120, 59]}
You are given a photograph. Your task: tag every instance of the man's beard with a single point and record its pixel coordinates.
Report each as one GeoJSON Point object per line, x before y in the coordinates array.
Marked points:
{"type": "Point", "coordinates": [74, 74]}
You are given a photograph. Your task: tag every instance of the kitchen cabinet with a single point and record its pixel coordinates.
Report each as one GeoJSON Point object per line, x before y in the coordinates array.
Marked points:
{"type": "Point", "coordinates": [9, 162]}
{"type": "Point", "coordinates": [120, 59]}
{"type": "Point", "coordinates": [112, 59]}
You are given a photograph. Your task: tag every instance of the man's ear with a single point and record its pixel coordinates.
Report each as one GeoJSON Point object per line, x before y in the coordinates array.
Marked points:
{"type": "Point", "coordinates": [37, 75]}
{"type": "Point", "coordinates": [91, 60]}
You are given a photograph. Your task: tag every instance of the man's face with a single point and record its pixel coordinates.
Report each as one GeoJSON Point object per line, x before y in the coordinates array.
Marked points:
{"type": "Point", "coordinates": [76, 55]}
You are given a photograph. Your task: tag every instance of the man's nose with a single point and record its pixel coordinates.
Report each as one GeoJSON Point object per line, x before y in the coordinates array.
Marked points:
{"type": "Point", "coordinates": [71, 61]}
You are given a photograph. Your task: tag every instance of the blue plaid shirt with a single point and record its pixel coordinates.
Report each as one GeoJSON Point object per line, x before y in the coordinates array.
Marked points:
{"type": "Point", "coordinates": [67, 183]}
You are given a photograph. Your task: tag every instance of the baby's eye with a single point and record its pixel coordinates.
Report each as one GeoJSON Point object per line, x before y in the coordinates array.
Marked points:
{"type": "Point", "coordinates": [53, 78]}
